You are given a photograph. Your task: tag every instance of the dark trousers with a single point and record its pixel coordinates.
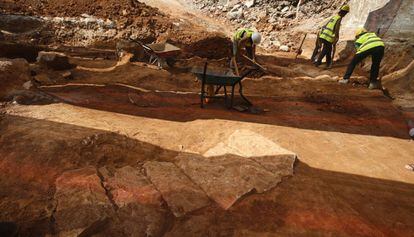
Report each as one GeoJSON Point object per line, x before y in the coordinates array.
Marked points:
{"type": "Point", "coordinates": [326, 51]}
{"type": "Point", "coordinates": [376, 54]}
{"type": "Point", "coordinates": [249, 51]}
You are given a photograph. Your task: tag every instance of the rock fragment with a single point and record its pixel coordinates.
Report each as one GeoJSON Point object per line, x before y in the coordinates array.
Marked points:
{"type": "Point", "coordinates": [139, 204]}
{"type": "Point", "coordinates": [180, 193]}
{"type": "Point", "coordinates": [81, 202]}
{"type": "Point", "coordinates": [13, 74]}
{"type": "Point", "coordinates": [227, 178]}
{"type": "Point", "coordinates": [53, 60]}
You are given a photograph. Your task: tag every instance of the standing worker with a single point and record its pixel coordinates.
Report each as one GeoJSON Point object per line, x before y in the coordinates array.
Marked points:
{"type": "Point", "coordinates": [245, 38]}
{"type": "Point", "coordinates": [329, 36]}
{"type": "Point", "coordinates": [367, 44]}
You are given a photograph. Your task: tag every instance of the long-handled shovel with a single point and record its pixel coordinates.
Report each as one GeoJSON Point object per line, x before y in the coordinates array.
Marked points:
{"type": "Point", "coordinates": [255, 63]}
{"type": "Point", "coordinates": [300, 47]}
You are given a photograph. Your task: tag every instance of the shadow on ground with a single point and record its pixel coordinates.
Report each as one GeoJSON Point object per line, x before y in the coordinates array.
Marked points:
{"type": "Point", "coordinates": [300, 104]}
{"type": "Point", "coordinates": [314, 202]}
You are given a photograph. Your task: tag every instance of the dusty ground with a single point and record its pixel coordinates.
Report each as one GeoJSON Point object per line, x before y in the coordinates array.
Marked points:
{"type": "Point", "coordinates": [351, 143]}
{"type": "Point", "coordinates": [123, 148]}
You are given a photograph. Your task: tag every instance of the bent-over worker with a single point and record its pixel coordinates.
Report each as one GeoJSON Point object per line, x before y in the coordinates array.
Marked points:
{"type": "Point", "coordinates": [329, 36]}
{"type": "Point", "coordinates": [367, 44]}
{"type": "Point", "coordinates": [245, 38]}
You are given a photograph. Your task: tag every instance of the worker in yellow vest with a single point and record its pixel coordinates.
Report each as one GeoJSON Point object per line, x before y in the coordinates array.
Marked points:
{"type": "Point", "coordinates": [367, 44]}
{"type": "Point", "coordinates": [329, 36]}
{"type": "Point", "coordinates": [245, 38]}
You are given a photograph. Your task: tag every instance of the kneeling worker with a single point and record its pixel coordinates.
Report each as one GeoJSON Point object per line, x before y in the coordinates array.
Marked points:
{"type": "Point", "coordinates": [245, 38]}
{"type": "Point", "coordinates": [329, 36]}
{"type": "Point", "coordinates": [367, 44]}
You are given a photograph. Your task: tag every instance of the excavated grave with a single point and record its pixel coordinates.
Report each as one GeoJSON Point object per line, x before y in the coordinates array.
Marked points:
{"type": "Point", "coordinates": [180, 193]}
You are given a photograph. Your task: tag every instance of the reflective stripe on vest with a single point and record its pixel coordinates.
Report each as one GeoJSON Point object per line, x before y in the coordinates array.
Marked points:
{"type": "Point", "coordinates": [242, 33]}
{"type": "Point", "coordinates": [328, 31]}
{"type": "Point", "coordinates": [368, 41]}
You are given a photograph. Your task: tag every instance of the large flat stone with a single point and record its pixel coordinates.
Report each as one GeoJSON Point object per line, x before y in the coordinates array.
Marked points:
{"type": "Point", "coordinates": [139, 203]}
{"type": "Point", "coordinates": [81, 201]}
{"type": "Point", "coordinates": [280, 165]}
{"type": "Point", "coordinates": [180, 193]}
{"type": "Point", "coordinates": [246, 143]}
{"type": "Point", "coordinates": [128, 185]}
{"type": "Point", "coordinates": [227, 178]}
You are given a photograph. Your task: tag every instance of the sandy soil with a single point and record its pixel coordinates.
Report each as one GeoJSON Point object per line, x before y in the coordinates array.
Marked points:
{"type": "Point", "coordinates": [351, 143]}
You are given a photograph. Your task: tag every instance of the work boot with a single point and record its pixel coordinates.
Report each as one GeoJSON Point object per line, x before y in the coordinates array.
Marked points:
{"type": "Point", "coordinates": [343, 81]}
{"type": "Point", "coordinates": [374, 85]}
{"type": "Point", "coordinates": [316, 63]}
{"type": "Point", "coordinates": [328, 66]}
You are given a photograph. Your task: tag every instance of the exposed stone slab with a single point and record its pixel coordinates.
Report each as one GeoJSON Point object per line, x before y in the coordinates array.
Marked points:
{"type": "Point", "coordinates": [140, 212]}
{"type": "Point", "coordinates": [81, 201]}
{"type": "Point", "coordinates": [227, 178]}
{"type": "Point", "coordinates": [247, 143]}
{"type": "Point", "coordinates": [180, 193]}
{"type": "Point", "coordinates": [280, 165]}
{"type": "Point", "coordinates": [128, 185]}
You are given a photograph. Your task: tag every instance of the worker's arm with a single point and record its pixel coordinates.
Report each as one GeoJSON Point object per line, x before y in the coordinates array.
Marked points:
{"type": "Point", "coordinates": [337, 30]}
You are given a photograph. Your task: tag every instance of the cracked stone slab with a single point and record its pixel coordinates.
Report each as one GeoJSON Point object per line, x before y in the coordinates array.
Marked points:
{"type": "Point", "coordinates": [140, 212]}
{"type": "Point", "coordinates": [128, 185]}
{"type": "Point", "coordinates": [81, 201]}
{"type": "Point", "coordinates": [280, 165]}
{"type": "Point", "coordinates": [227, 178]}
{"type": "Point", "coordinates": [246, 143]}
{"type": "Point", "coordinates": [180, 193]}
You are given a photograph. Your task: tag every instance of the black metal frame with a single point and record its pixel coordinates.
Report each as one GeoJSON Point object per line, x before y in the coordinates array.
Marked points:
{"type": "Point", "coordinates": [223, 85]}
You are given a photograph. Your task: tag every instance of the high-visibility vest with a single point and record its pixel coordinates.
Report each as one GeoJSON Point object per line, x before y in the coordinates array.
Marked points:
{"type": "Point", "coordinates": [242, 33]}
{"type": "Point", "coordinates": [328, 31]}
{"type": "Point", "coordinates": [368, 41]}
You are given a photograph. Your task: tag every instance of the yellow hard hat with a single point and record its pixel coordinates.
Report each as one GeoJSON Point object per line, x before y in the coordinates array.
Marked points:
{"type": "Point", "coordinates": [345, 8]}
{"type": "Point", "coordinates": [360, 31]}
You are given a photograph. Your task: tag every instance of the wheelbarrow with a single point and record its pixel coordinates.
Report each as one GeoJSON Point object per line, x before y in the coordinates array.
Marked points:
{"type": "Point", "coordinates": [160, 54]}
{"type": "Point", "coordinates": [221, 79]}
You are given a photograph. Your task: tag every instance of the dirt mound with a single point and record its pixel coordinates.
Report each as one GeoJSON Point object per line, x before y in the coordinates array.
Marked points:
{"type": "Point", "coordinates": [102, 24]}
{"type": "Point", "coordinates": [401, 86]}
{"type": "Point", "coordinates": [13, 73]}
{"type": "Point", "coordinates": [111, 9]}
{"type": "Point", "coordinates": [275, 19]}
{"type": "Point", "coordinates": [206, 45]}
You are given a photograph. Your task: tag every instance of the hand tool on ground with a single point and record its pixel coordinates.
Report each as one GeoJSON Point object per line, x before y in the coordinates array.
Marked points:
{"type": "Point", "coordinates": [300, 47]}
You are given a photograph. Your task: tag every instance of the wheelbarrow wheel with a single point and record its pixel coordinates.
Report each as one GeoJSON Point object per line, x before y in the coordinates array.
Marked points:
{"type": "Point", "coordinates": [170, 62]}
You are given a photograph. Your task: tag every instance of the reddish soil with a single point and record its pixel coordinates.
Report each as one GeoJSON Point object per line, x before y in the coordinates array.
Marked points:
{"type": "Point", "coordinates": [112, 9]}
{"type": "Point", "coordinates": [352, 143]}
